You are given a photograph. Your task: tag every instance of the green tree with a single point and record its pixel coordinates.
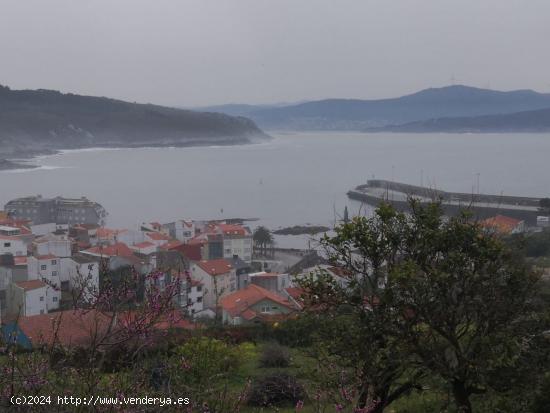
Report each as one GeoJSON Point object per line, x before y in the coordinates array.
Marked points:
{"type": "Point", "coordinates": [468, 302]}
{"type": "Point", "coordinates": [356, 319]}
{"type": "Point", "coordinates": [262, 239]}
{"type": "Point", "coordinates": [427, 294]}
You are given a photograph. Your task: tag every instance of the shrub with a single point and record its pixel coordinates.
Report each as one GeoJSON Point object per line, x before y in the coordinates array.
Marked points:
{"type": "Point", "coordinates": [276, 390]}
{"type": "Point", "coordinates": [207, 359]}
{"type": "Point", "coordinates": [275, 355]}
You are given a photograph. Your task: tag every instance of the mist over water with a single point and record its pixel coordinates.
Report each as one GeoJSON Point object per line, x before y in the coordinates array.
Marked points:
{"type": "Point", "coordinates": [294, 179]}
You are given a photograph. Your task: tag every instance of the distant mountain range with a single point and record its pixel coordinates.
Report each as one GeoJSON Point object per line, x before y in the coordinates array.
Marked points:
{"type": "Point", "coordinates": [529, 121]}
{"type": "Point", "coordinates": [38, 121]}
{"type": "Point", "coordinates": [356, 115]}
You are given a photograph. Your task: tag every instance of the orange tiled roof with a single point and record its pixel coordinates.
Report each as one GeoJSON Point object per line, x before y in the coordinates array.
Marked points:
{"type": "Point", "coordinates": [20, 260]}
{"type": "Point", "coordinates": [215, 267]}
{"type": "Point", "coordinates": [171, 245]}
{"type": "Point", "coordinates": [30, 285]}
{"type": "Point", "coordinates": [74, 327]}
{"type": "Point", "coordinates": [104, 232]}
{"type": "Point", "coordinates": [46, 257]}
{"type": "Point", "coordinates": [232, 229]}
{"type": "Point", "coordinates": [157, 236]}
{"type": "Point", "coordinates": [145, 244]}
{"type": "Point", "coordinates": [239, 302]}
{"type": "Point", "coordinates": [501, 223]}
{"type": "Point", "coordinates": [295, 292]}
{"type": "Point", "coordinates": [116, 250]}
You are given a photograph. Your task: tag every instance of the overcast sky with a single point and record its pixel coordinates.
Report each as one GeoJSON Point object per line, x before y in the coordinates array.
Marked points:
{"type": "Point", "coordinates": [199, 52]}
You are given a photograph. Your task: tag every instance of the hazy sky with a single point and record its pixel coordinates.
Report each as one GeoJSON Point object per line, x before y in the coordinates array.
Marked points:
{"type": "Point", "coordinates": [198, 52]}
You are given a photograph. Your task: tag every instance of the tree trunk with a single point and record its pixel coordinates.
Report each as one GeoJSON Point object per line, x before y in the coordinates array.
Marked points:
{"type": "Point", "coordinates": [462, 397]}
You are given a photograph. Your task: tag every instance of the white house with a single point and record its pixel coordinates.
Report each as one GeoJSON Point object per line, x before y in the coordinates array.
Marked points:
{"type": "Point", "coordinates": [80, 273]}
{"type": "Point", "coordinates": [51, 244]}
{"type": "Point", "coordinates": [12, 244]}
{"type": "Point", "coordinates": [28, 298]}
{"type": "Point", "coordinates": [46, 268]}
{"type": "Point", "coordinates": [43, 229]}
{"type": "Point", "coordinates": [145, 247]}
{"type": "Point", "coordinates": [218, 278]}
{"type": "Point", "coordinates": [237, 241]}
{"type": "Point", "coordinates": [157, 238]}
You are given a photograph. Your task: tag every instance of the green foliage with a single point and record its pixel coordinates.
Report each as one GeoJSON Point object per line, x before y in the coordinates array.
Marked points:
{"type": "Point", "coordinates": [537, 244]}
{"type": "Point", "coordinates": [427, 295]}
{"type": "Point", "coordinates": [204, 360]}
{"type": "Point", "coordinates": [274, 355]}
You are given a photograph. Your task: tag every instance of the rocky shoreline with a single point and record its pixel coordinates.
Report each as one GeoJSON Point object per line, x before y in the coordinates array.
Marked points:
{"type": "Point", "coordinates": [302, 230]}
{"type": "Point", "coordinates": [13, 158]}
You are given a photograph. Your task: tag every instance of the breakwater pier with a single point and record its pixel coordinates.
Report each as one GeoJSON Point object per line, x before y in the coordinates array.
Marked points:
{"type": "Point", "coordinates": [483, 206]}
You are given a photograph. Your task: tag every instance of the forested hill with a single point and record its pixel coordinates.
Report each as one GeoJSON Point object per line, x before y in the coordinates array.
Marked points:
{"type": "Point", "coordinates": [356, 114]}
{"type": "Point", "coordinates": [45, 119]}
{"type": "Point", "coordinates": [528, 121]}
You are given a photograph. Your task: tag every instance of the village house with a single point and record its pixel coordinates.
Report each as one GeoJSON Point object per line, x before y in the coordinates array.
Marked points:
{"type": "Point", "coordinates": [271, 281]}
{"type": "Point", "coordinates": [52, 244]}
{"type": "Point", "coordinates": [503, 225]}
{"type": "Point", "coordinates": [80, 273]}
{"type": "Point", "coordinates": [80, 328]}
{"type": "Point", "coordinates": [145, 247]}
{"type": "Point", "coordinates": [254, 304]}
{"type": "Point", "coordinates": [190, 296]}
{"type": "Point", "coordinates": [182, 230]}
{"type": "Point", "coordinates": [237, 240]}
{"type": "Point", "coordinates": [12, 244]}
{"type": "Point", "coordinates": [27, 298]}
{"type": "Point", "coordinates": [218, 278]}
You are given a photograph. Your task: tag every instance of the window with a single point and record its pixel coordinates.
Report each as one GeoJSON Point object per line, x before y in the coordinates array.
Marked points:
{"type": "Point", "coordinates": [55, 299]}
{"type": "Point", "coordinates": [42, 298]}
{"type": "Point", "coordinates": [54, 273]}
{"type": "Point", "coordinates": [43, 267]}
{"type": "Point", "coordinates": [199, 288]}
{"type": "Point", "coordinates": [199, 299]}
{"type": "Point", "coordinates": [41, 311]}
{"type": "Point", "coordinates": [265, 309]}
{"type": "Point", "coordinates": [7, 244]}
{"type": "Point", "coordinates": [54, 262]}
{"type": "Point", "coordinates": [274, 308]}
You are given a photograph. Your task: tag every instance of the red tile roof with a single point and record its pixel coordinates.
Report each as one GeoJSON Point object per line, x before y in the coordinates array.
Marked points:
{"type": "Point", "coordinates": [46, 257]}
{"type": "Point", "coordinates": [103, 232]}
{"type": "Point", "coordinates": [239, 302]}
{"type": "Point", "coordinates": [73, 327]}
{"type": "Point", "coordinates": [171, 245]}
{"type": "Point", "coordinates": [79, 327]}
{"type": "Point", "coordinates": [215, 267]}
{"type": "Point", "coordinates": [501, 223]}
{"type": "Point", "coordinates": [116, 250]}
{"type": "Point", "coordinates": [295, 292]}
{"type": "Point", "coordinates": [198, 240]}
{"type": "Point", "coordinates": [145, 244]}
{"type": "Point", "coordinates": [232, 229]}
{"type": "Point", "coordinates": [31, 285]}
{"type": "Point", "coordinates": [20, 260]}
{"type": "Point", "coordinates": [158, 236]}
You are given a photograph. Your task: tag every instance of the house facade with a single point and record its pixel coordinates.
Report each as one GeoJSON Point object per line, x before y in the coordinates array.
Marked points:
{"type": "Point", "coordinates": [255, 304]}
{"type": "Point", "coordinates": [218, 278]}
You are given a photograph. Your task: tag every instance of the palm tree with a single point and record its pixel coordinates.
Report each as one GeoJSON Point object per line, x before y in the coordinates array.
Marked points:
{"type": "Point", "coordinates": [262, 239]}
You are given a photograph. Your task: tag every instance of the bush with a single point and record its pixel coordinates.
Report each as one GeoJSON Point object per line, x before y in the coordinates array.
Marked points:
{"type": "Point", "coordinates": [206, 360]}
{"type": "Point", "coordinates": [276, 390]}
{"type": "Point", "coordinates": [275, 355]}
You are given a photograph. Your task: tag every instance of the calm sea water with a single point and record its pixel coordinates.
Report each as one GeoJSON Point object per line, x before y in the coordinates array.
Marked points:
{"type": "Point", "coordinates": [292, 180]}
